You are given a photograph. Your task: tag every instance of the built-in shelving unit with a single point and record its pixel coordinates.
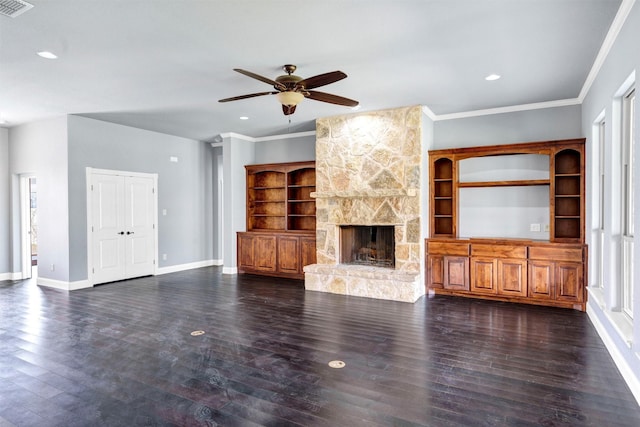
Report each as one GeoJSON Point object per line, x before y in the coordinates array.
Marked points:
{"type": "Point", "coordinates": [443, 190]}
{"type": "Point", "coordinates": [532, 271]}
{"type": "Point", "coordinates": [301, 209]}
{"type": "Point", "coordinates": [281, 220]}
{"type": "Point", "coordinates": [568, 210]}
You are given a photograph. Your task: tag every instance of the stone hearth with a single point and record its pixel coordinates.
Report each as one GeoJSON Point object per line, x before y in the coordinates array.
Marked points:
{"type": "Point", "coordinates": [368, 172]}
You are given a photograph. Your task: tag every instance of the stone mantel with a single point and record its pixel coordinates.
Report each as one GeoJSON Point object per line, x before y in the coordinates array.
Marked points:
{"type": "Point", "coordinates": [411, 192]}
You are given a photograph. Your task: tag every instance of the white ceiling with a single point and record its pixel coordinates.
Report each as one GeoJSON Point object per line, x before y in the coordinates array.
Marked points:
{"type": "Point", "coordinates": [163, 64]}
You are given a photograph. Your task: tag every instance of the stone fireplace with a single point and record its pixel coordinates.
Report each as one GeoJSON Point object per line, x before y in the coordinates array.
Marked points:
{"type": "Point", "coordinates": [369, 174]}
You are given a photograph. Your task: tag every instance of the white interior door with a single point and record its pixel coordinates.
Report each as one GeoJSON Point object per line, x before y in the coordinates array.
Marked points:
{"type": "Point", "coordinates": [122, 227]}
{"type": "Point", "coordinates": [139, 226]}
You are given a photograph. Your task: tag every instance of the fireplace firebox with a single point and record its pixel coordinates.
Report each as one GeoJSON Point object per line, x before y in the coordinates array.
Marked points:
{"type": "Point", "coordinates": [371, 245]}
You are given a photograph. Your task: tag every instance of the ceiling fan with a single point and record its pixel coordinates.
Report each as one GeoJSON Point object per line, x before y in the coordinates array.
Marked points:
{"type": "Point", "coordinates": [291, 89]}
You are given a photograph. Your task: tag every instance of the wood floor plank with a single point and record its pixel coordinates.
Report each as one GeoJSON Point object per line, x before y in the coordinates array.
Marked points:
{"type": "Point", "coordinates": [123, 354]}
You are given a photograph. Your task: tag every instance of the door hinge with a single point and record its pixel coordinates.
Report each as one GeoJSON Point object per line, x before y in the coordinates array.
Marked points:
{"type": "Point", "coordinates": [93, 270]}
{"type": "Point", "coordinates": [154, 262]}
{"type": "Point", "coordinates": [91, 187]}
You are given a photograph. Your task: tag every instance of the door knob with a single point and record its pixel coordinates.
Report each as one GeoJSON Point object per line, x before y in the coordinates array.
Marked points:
{"type": "Point", "coordinates": [129, 232]}
{"type": "Point", "coordinates": [121, 233]}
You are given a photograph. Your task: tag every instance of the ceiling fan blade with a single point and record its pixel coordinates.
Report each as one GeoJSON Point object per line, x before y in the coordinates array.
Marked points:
{"type": "Point", "coordinates": [321, 80]}
{"type": "Point", "coordinates": [273, 83]}
{"type": "Point", "coordinates": [251, 95]}
{"type": "Point", "coordinates": [332, 99]}
{"type": "Point", "coordinates": [288, 109]}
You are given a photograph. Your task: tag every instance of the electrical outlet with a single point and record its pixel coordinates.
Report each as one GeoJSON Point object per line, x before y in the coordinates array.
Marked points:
{"type": "Point", "coordinates": [546, 227]}
{"type": "Point", "coordinates": [53, 267]}
{"type": "Point", "coordinates": [164, 257]}
{"type": "Point", "coordinates": [534, 227]}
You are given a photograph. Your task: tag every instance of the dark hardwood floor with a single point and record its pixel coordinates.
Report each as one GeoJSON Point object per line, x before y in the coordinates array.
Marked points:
{"type": "Point", "coordinates": [122, 354]}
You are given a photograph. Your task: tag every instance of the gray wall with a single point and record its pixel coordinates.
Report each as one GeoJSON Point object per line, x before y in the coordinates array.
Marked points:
{"type": "Point", "coordinates": [5, 241]}
{"type": "Point", "coordinates": [286, 150]}
{"type": "Point", "coordinates": [40, 148]}
{"type": "Point", "coordinates": [508, 128]}
{"type": "Point", "coordinates": [621, 61]}
{"type": "Point", "coordinates": [184, 188]}
{"type": "Point", "coordinates": [427, 144]}
{"type": "Point", "coordinates": [237, 152]}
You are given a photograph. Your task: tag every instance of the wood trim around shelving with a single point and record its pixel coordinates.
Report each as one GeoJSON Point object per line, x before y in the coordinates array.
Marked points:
{"type": "Point", "coordinates": [516, 183]}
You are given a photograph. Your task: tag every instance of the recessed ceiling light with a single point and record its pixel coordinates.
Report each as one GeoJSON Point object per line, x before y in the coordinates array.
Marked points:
{"type": "Point", "coordinates": [492, 77]}
{"type": "Point", "coordinates": [244, 118]}
{"type": "Point", "coordinates": [47, 55]}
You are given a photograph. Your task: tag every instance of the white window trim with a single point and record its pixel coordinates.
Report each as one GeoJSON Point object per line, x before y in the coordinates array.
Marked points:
{"type": "Point", "coordinates": [627, 208]}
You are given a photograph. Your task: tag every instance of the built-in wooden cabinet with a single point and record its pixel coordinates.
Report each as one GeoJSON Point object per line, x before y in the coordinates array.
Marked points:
{"type": "Point", "coordinates": [542, 273]}
{"type": "Point", "coordinates": [548, 272]}
{"type": "Point", "coordinates": [275, 254]}
{"type": "Point", "coordinates": [281, 220]}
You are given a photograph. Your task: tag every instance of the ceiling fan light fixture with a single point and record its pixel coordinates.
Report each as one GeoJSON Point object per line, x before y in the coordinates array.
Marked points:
{"type": "Point", "coordinates": [290, 98]}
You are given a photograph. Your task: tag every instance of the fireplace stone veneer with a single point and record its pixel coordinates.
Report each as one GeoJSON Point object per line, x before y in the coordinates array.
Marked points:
{"type": "Point", "coordinates": [369, 172]}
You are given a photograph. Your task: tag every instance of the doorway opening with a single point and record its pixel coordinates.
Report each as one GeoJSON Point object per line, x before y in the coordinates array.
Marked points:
{"type": "Point", "coordinates": [29, 225]}
{"type": "Point", "coordinates": [33, 229]}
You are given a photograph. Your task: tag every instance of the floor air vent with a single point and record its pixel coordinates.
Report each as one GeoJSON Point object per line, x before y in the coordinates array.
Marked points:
{"type": "Point", "coordinates": [13, 8]}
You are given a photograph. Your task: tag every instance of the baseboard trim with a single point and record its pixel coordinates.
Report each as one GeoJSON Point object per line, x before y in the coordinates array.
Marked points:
{"type": "Point", "coordinates": [189, 266]}
{"type": "Point", "coordinates": [229, 270]}
{"type": "Point", "coordinates": [627, 373]}
{"type": "Point", "coordinates": [62, 285]}
{"type": "Point", "coordinates": [11, 276]}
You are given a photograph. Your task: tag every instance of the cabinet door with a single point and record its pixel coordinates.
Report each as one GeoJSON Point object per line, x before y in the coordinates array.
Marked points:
{"type": "Point", "coordinates": [568, 280]}
{"type": "Point", "coordinates": [541, 279]}
{"type": "Point", "coordinates": [245, 251]}
{"type": "Point", "coordinates": [264, 250]}
{"type": "Point", "coordinates": [512, 277]}
{"type": "Point", "coordinates": [307, 251]}
{"type": "Point", "coordinates": [288, 254]}
{"type": "Point", "coordinates": [456, 273]}
{"type": "Point", "coordinates": [435, 271]}
{"type": "Point", "coordinates": [484, 275]}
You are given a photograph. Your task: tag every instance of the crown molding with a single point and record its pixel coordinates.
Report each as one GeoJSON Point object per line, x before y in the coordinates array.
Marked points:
{"type": "Point", "coordinates": [427, 112]}
{"type": "Point", "coordinates": [607, 44]}
{"type": "Point", "coordinates": [510, 109]}
{"type": "Point", "coordinates": [267, 138]}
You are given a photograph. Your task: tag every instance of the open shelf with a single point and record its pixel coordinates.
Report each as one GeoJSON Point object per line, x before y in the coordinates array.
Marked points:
{"type": "Point", "coordinates": [568, 203]}
{"type": "Point", "coordinates": [516, 183]}
{"type": "Point", "coordinates": [442, 197]}
{"type": "Point", "coordinates": [279, 197]}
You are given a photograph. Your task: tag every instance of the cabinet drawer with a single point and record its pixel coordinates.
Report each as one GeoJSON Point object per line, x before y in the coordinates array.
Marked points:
{"type": "Point", "coordinates": [499, 251]}
{"type": "Point", "coordinates": [448, 248]}
{"type": "Point", "coordinates": [556, 254]}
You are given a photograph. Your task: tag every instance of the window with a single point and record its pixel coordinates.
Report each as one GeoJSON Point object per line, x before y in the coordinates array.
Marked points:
{"type": "Point", "coordinates": [599, 134]}
{"type": "Point", "coordinates": [628, 137]}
